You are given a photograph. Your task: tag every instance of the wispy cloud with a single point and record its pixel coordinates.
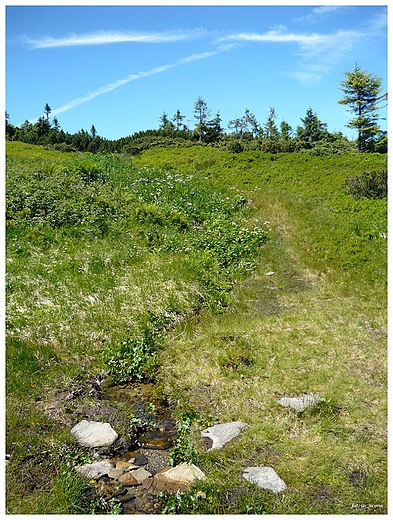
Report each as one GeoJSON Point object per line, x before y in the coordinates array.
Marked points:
{"type": "Point", "coordinates": [110, 37]}
{"type": "Point", "coordinates": [276, 36]}
{"type": "Point", "coordinates": [319, 12]}
{"type": "Point", "coordinates": [308, 43]}
{"type": "Point", "coordinates": [316, 52]}
{"type": "Point", "coordinates": [133, 77]}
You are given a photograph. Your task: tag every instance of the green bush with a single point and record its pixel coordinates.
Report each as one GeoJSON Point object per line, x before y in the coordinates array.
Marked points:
{"type": "Point", "coordinates": [235, 147]}
{"type": "Point", "coordinates": [132, 359]}
{"type": "Point", "coordinates": [371, 185]}
{"type": "Point", "coordinates": [184, 450]}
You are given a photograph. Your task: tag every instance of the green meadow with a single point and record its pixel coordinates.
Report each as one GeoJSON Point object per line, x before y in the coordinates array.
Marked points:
{"type": "Point", "coordinates": [227, 280]}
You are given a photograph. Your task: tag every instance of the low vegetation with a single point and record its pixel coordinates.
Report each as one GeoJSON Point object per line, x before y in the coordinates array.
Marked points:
{"type": "Point", "coordinates": [228, 280]}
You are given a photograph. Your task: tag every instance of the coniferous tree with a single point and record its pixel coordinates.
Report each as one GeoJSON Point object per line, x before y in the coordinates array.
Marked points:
{"type": "Point", "coordinates": [178, 119]}
{"type": "Point", "coordinates": [271, 130]}
{"type": "Point", "coordinates": [313, 128]}
{"type": "Point", "coordinates": [362, 94]}
{"type": "Point", "coordinates": [214, 129]}
{"type": "Point", "coordinates": [286, 131]}
{"type": "Point", "coordinates": [166, 124]}
{"type": "Point", "coordinates": [47, 111]}
{"type": "Point", "coordinates": [56, 125]}
{"type": "Point", "coordinates": [201, 113]}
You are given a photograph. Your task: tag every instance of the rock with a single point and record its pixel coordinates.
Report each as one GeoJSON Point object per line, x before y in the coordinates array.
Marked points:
{"type": "Point", "coordinates": [134, 457]}
{"type": "Point", "coordinates": [176, 479]}
{"type": "Point", "coordinates": [270, 273]}
{"type": "Point", "coordinates": [220, 434]}
{"type": "Point", "coordinates": [126, 479]}
{"type": "Point", "coordinates": [94, 434]}
{"type": "Point", "coordinates": [300, 403]}
{"type": "Point", "coordinates": [115, 473]}
{"type": "Point", "coordinates": [125, 466]}
{"type": "Point", "coordinates": [265, 478]}
{"type": "Point", "coordinates": [95, 469]}
{"type": "Point", "coordinates": [141, 474]}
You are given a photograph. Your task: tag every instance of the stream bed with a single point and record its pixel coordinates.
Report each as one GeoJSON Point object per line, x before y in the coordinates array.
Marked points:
{"type": "Point", "coordinates": [147, 434]}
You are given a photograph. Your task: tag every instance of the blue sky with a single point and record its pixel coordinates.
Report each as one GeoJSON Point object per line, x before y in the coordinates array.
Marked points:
{"type": "Point", "coordinates": [121, 67]}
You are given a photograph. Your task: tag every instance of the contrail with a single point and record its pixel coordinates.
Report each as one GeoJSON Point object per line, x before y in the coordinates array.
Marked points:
{"type": "Point", "coordinates": [132, 77]}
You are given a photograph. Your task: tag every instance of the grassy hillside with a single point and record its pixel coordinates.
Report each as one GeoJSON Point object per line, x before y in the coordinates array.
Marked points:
{"type": "Point", "coordinates": [157, 267]}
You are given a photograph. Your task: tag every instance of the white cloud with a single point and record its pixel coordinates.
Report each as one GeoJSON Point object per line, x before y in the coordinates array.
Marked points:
{"type": "Point", "coordinates": [316, 52]}
{"type": "Point", "coordinates": [310, 44]}
{"type": "Point", "coordinates": [109, 37]}
{"type": "Point", "coordinates": [277, 36]}
{"type": "Point", "coordinates": [318, 12]}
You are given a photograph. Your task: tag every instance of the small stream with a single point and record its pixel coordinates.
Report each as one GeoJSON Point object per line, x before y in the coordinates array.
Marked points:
{"type": "Point", "coordinates": [147, 434]}
{"type": "Point", "coordinates": [152, 437]}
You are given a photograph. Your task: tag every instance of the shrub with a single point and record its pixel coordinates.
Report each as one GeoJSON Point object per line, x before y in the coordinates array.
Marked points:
{"type": "Point", "coordinates": [235, 147]}
{"type": "Point", "coordinates": [132, 359]}
{"type": "Point", "coordinates": [371, 185]}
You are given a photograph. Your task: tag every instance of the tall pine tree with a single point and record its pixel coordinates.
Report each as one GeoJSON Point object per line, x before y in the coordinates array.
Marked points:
{"type": "Point", "coordinates": [362, 94]}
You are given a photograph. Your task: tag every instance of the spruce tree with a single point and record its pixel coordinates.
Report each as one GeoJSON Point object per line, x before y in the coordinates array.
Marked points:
{"type": "Point", "coordinates": [362, 96]}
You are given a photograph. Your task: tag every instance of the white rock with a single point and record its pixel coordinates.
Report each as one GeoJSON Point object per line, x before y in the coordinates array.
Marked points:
{"type": "Point", "coordinates": [95, 469]}
{"type": "Point", "coordinates": [220, 434]}
{"type": "Point", "coordinates": [94, 434]}
{"type": "Point", "coordinates": [265, 478]}
{"type": "Point", "coordinates": [300, 403]}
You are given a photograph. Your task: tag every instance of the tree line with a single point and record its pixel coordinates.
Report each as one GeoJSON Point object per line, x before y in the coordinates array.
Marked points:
{"type": "Point", "coordinates": [362, 96]}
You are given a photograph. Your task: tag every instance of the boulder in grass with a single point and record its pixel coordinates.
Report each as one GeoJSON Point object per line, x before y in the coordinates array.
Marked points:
{"type": "Point", "coordinates": [220, 434]}
{"type": "Point", "coordinates": [300, 403]}
{"type": "Point", "coordinates": [265, 478]}
{"type": "Point", "coordinates": [94, 434]}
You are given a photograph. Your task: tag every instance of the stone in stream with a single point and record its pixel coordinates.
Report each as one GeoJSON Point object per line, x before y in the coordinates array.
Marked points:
{"type": "Point", "coordinates": [140, 474]}
{"type": "Point", "coordinates": [125, 466]}
{"type": "Point", "coordinates": [128, 480]}
{"type": "Point", "coordinates": [94, 434]}
{"type": "Point", "coordinates": [300, 403]}
{"type": "Point", "coordinates": [176, 479]}
{"type": "Point", "coordinates": [220, 434]}
{"type": "Point", "coordinates": [95, 470]}
{"type": "Point", "coordinates": [265, 478]}
{"type": "Point", "coordinates": [115, 473]}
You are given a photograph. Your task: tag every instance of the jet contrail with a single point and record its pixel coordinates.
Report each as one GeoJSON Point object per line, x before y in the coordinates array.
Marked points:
{"type": "Point", "coordinates": [132, 77]}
